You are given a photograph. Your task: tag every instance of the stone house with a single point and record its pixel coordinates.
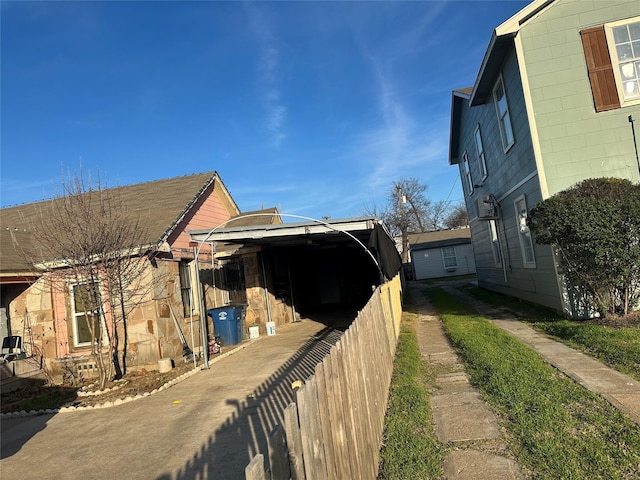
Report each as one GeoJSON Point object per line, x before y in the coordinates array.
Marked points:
{"type": "Point", "coordinates": [553, 103]}
{"type": "Point", "coordinates": [43, 311]}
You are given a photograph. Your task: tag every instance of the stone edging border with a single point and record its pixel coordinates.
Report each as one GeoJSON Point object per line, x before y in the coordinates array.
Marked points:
{"type": "Point", "coordinates": [120, 401]}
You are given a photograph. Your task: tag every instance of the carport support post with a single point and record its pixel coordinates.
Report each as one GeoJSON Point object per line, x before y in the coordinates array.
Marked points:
{"type": "Point", "coordinates": [266, 290]}
{"type": "Point", "coordinates": [203, 314]}
{"type": "Point", "coordinates": [293, 307]}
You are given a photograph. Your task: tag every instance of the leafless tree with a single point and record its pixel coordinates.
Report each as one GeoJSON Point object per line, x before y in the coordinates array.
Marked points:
{"type": "Point", "coordinates": [87, 240]}
{"type": "Point", "coordinates": [438, 214]}
{"type": "Point", "coordinates": [407, 211]}
{"type": "Point", "coordinates": [457, 217]}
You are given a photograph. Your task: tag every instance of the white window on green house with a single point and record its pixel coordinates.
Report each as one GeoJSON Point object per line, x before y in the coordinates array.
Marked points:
{"type": "Point", "coordinates": [466, 172]}
{"type": "Point", "coordinates": [504, 119]}
{"type": "Point", "coordinates": [496, 248]}
{"type": "Point", "coordinates": [482, 161]}
{"type": "Point", "coordinates": [526, 243]}
{"type": "Point", "coordinates": [449, 258]}
{"type": "Point", "coordinates": [85, 301]}
{"type": "Point", "coordinates": [623, 39]}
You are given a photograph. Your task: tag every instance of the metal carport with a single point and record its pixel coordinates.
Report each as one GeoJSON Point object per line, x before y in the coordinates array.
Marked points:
{"type": "Point", "coordinates": [311, 265]}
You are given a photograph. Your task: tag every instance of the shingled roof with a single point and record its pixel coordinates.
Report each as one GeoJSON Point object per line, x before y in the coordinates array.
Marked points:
{"type": "Point", "coordinates": [421, 241]}
{"type": "Point", "coordinates": [266, 216]}
{"type": "Point", "coordinates": [159, 205]}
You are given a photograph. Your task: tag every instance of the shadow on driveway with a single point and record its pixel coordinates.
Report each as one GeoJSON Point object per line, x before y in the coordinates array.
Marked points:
{"type": "Point", "coordinates": [229, 449]}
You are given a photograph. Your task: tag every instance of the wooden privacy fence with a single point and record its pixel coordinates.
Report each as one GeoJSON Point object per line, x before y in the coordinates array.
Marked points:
{"type": "Point", "coordinates": [334, 430]}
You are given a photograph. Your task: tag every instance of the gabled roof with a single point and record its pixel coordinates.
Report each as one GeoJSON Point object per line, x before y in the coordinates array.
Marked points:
{"type": "Point", "coordinates": [499, 45]}
{"type": "Point", "coordinates": [159, 206]}
{"type": "Point", "coordinates": [458, 98]}
{"type": "Point", "coordinates": [441, 238]}
{"type": "Point", "coordinates": [266, 216]}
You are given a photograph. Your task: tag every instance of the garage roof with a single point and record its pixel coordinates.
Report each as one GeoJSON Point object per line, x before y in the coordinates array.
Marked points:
{"type": "Point", "coordinates": [365, 232]}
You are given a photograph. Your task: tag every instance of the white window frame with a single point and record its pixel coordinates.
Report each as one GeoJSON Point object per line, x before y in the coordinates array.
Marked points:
{"type": "Point", "coordinates": [190, 287]}
{"type": "Point", "coordinates": [466, 173]}
{"type": "Point", "coordinates": [482, 161]}
{"type": "Point", "coordinates": [617, 63]}
{"type": "Point", "coordinates": [496, 247]}
{"type": "Point", "coordinates": [504, 117]}
{"type": "Point", "coordinates": [75, 315]}
{"type": "Point", "coordinates": [524, 234]}
{"type": "Point", "coordinates": [448, 254]}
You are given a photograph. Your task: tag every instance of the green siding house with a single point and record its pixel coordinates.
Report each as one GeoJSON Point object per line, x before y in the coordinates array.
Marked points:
{"type": "Point", "coordinates": [554, 103]}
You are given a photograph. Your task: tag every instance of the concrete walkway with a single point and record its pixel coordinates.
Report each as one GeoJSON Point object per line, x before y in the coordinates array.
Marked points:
{"type": "Point", "coordinates": [622, 391]}
{"type": "Point", "coordinates": [460, 416]}
{"type": "Point", "coordinates": [208, 426]}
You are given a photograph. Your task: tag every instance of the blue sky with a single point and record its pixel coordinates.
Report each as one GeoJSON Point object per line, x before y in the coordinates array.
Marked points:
{"type": "Point", "coordinates": [315, 107]}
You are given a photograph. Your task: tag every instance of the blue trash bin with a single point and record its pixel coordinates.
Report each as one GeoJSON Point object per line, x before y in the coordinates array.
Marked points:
{"type": "Point", "coordinates": [227, 322]}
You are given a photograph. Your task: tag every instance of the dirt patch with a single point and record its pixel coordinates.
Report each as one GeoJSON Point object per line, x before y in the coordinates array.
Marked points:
{"type": "Point", "coordinates": [34, 395]}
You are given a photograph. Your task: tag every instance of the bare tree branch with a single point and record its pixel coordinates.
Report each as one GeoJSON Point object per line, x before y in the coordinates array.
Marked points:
{"type": "Point", "coordinates": [88, 241]}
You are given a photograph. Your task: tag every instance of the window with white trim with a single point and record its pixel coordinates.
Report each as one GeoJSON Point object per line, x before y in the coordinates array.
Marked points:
{"type": "Point", "coordinates": [612, 56]}
{"type": "Point", "coordinates": [623, 39]}
{"type": "Point", "coordinates": [466, 172]}
{"type": "Point", "coordinates": [502, 110]}
{"type": "Point", "coordinates": [524, 234]}
{"type": "Point", "coordinates": [449, 258]}
{"type": "Point", "coordinates": [85, 305]}
{"type": "Point", "coordinates": [482, 162]}
{"type": "Point", "coordinates": [188, 287]}
{"type": "Point", "coordinates": [495, 243]}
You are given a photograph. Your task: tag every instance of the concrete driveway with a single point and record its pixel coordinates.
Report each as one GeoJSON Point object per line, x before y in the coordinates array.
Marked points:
{"type": "Point", "coordinates": [208, 426]}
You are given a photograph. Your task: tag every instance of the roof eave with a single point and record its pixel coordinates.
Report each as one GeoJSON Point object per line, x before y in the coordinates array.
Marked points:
{"type": "Point", "coordinates": [501, 39]}
{"type": "Point", "coordinates": [454, 128]}
{"type": "Point", "coordinates": [491, 63]}
{"type": "Point", "coordinates": [176, 222]}
{"type": "Point", "coordinates": [281, 230]}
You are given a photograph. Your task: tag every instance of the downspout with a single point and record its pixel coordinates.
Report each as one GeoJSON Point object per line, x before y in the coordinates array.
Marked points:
{"type": "Point", "coordinates": [266, 290]}
{"type": "Point", "coordinates": [504, 260]}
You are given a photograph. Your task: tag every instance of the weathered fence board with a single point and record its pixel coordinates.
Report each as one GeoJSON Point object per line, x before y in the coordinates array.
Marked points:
{"type": "Point", "coordinates": [325, 420]}
{"type": "Point", "coordinates": [340, 439]}
{"type": "Point", "coordinates": [294, 441]}
{"type": "Point", "coordinates": [334, 431]}
{"type": "Point", "coordinates": [278, 457]}
{"type": "Point", "coordinates": [255, 469]}
{"type": "Point", "coordinates": [311, 432]}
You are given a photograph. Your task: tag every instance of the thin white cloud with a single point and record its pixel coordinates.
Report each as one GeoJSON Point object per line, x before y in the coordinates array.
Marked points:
{"type": "Point", "coordinates": [268, 70]}
{"type": "Point", "coordinates": [399, 144]}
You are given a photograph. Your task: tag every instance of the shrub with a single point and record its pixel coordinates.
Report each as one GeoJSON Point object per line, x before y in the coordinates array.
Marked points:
{"type": "Point", "coordinates": [595, 227]}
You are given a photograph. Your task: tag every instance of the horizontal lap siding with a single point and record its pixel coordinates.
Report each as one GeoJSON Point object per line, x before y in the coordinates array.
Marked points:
{"type": "Point", "coordinates": [576, 142]}
{"type": "Point", "coordinates": [209, 212]}
{"type": "Point", "coordinates": [428, 263]}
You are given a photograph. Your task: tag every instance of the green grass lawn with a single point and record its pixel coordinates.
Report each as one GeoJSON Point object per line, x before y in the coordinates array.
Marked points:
{"type": "Point", "coordinates": [617, 347]}
{"type": "Point", "coordinates": [558, 429]}
{"type": "Point", "coordinates": [410, 449]}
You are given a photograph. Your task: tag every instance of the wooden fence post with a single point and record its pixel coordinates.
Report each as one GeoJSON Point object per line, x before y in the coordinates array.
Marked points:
{"type": "Point", "coordinates": [335, 429]}
{"type": "Point", "coordinates": [325, 420]}
{"type": "Point", "coordinates": [278, 457]}
{"type": "Point", "coordinates": [294, 442]}
{"type": "Point", "coordinates": [255, 469]}
{"type": "Point", "coordinates": [312, 441]}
